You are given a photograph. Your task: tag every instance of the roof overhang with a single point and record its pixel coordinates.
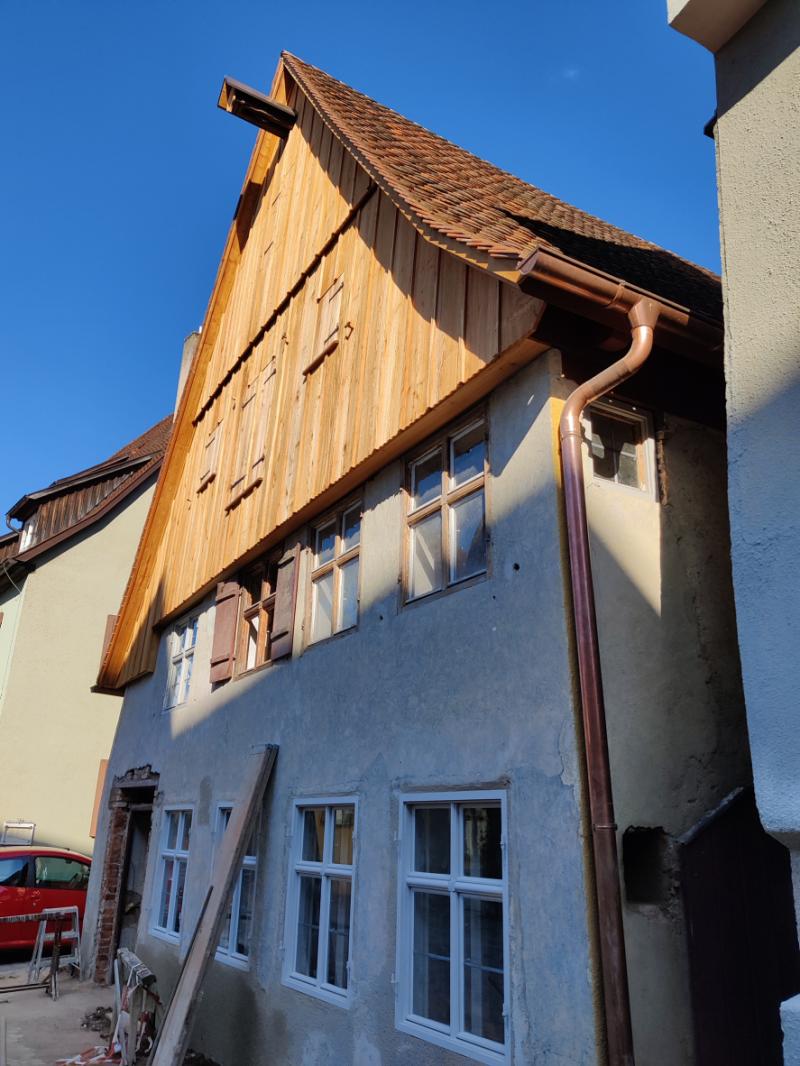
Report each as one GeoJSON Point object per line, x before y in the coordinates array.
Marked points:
{"type": "Point", "coordinates": [27, 504]}
{"type": "Point", "coordinates": [710, 22]}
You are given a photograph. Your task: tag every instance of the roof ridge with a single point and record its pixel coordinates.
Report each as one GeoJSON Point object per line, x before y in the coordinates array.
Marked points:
{"type": "Point", "coordinates": [300, 69]}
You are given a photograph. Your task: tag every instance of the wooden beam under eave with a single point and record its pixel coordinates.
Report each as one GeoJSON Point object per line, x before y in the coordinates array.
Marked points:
{"type": "Point", "coordinates": [256, 108]}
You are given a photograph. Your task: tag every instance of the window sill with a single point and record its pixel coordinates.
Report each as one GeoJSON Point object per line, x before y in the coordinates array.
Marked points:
{"type": "Point", "coordinates": [456, 586]}
{"type": "Point", "coordinates": [451, 1043]}
{"type": "Point", "coordinates": [328, 640]}
{"type": "Point", "coordinates": [338, 999]}
{"type": "Point", "coordinates": [242, 494]}
{"type": "Point", "coordinates": [163, 934]}
{"type": "Point", "coordinates": [234, 961]}
{"type": "Point", "coordinates": [257, 669]}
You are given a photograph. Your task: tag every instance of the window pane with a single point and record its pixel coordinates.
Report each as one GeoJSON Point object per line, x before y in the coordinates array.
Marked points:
{"type": "Point", "coordinates": [166, 894]}
{"type": "Point", "coordinates": [628, 462]}
{"type": "Point", "coordinates": [308, 926]}
{"type": "Point", "coordinates": [426, 556]}
{"type": "Point", "coordinates": [251, 659]}
{"type": "Point", "coordinates": [343, 821]}
{"type": "Point", "coordinates": [187, 676]}
{"type": "Point", "coordinates": [51, 871]}
{"type": "Point", "coordinates": [322, 608]}
{"type": "Point", "coordinates": [313, 834]}
{"type": "Point", "coordinates": [174, 683]}
{"type": "Point", "coordinates": [193, 633]}
{"type": "Point", "coordinates": [483, 968]}
{"type": "Point", "coordinates": [351, 528]}
{"type": "Point", "coordinates": [431, 972]}
{"type": "Point", "coordinates": [426, 478]}
{"type": "Point", "coordinates": [482, 836]}
{"type": "Point", "coordinates": [469, 537]}
{"type": "Point", "coordinates": [13, 873]}
{"type": "Point", "coordinates": [244, 930]}
{"type": "Point", "coordinates": [339, 932]}
{"type": "Point", "coordinates": [180, 883]}
{"type": "Point", "coordinates": [172, 829]}
{"type": "Point", "coordinates": [187, 828]}
{"type": "Point", "coordinates": [615, 449]}
{"type": "Point", "coordinates": [326, 543]}
{"type": "Point", "coordinates": [348, 592]}
{"type": "Point", "coordinates": [468, 453]}
{"type": "Point", "coordinates": [432, 839]}
{"type": "Point", "coordinates": [225, 935]}
{"type": "Point", "coordinates": [253, 584]}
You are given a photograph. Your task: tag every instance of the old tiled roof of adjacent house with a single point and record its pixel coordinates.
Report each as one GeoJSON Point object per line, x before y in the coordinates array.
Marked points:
{"type": "Point", "coordinates": [72, 503]}
{"type": "Point", "coordinates": [483, 207]}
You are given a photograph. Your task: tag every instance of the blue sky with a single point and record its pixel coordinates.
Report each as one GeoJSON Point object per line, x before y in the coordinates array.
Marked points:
{"type": "Point", "coordinates": [120, 175]}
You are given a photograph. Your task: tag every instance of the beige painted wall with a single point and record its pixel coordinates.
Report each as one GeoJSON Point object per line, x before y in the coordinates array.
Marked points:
{"type": "Point", "coordinates": [674, 707]}
{"type": "Point", "coordinates": [53, 730]}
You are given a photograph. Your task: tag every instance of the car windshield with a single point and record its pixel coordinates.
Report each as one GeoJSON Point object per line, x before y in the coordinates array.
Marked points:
{"type": "Point", "coordinates": [13, 871]}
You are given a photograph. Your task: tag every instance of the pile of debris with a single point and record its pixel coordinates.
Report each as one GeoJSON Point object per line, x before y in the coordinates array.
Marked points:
{"type": "Point", "coordinates": [99, 1020]}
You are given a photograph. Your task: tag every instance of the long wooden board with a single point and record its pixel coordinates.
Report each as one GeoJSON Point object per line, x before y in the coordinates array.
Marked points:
{"type": "Point", "coordinates": [173, 1037]}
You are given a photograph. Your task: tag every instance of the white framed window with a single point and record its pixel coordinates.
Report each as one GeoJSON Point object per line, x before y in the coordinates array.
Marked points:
{"type": "Point", "coordinates": [334, 574]}
{"type": "Point", "coordinates": [182, 644]}
{"type": "Point", "coordinates": [176, 830]}
{"type": "Point", "coordinates": [446, 513]}
{"type": "Point", "coordinates": [236, 938]}
{"type": "Point", "coordinates": [453, 922]}
{"type": "Point", "coordinates": [319, 903]}
{"type": "Point", "coordinates": [621, 448]}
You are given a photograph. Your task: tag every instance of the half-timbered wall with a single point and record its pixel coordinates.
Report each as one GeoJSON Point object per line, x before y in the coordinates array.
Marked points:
{"type": "Point", "coordinates": [281, 417]}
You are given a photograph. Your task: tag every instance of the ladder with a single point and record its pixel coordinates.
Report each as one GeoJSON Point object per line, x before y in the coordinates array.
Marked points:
{"type": "Point", "coordinates": [70, 940]}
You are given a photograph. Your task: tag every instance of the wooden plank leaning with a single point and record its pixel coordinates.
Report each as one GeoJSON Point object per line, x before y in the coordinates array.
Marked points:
{"type": "Point", "coordinates": [173, 1037]}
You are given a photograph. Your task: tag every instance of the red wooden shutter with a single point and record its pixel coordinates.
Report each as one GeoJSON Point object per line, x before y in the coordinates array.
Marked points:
{"type": "Point", "coordinates": [285, 603]}
{"type": "Point", "coordinates": [223, 650]}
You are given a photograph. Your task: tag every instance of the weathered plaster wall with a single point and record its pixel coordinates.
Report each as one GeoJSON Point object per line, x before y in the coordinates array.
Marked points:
{"type": "Point", "coordinates": [758, 159]}
{"type": "Point", "coordinates": [53, 730]}
{"type": "Point", "coordinates": [470, 689]}
{"type": "Point", "coordinates": [675, 714]}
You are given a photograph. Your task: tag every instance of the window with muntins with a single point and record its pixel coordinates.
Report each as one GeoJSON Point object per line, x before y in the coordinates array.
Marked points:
{"type": "Point", "coordinates": [334, 576]}
{"type": "Point", "coordinates": [259, 588]}
{"type": "Point", "coordinates": [237, 930]}
{"type": "Point", "coordinates": [447, 512]}
{"type": "Point", "coordinates": [620, 446]}
{"type": "Point", "coordinates": [182, 644]}
{"type": "Point", "coordinates": [453, 923]}
{"type": "Point", "coordinates": [171, 881]}
{"type": "Point", "coordinates": [320, 899]}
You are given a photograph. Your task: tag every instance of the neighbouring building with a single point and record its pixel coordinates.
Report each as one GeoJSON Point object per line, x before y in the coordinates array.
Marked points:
{"type": "Point", "coordinates": [756, 48]}
{"type": "Point", "coordinates": [62, 574]}
{"type": "Point", "coordinates": [357, 551]}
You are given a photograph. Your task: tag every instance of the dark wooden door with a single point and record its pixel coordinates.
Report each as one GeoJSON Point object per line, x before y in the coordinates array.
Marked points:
{"type": "Point", "coordinates": [743, 952]}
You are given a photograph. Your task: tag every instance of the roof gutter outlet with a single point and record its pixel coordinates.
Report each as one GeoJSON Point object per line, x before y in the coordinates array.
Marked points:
{"type": "Point", "coordinates": [643, 317]}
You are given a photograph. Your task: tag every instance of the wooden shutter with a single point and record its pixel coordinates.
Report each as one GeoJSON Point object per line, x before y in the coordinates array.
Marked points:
{"type": "Point", "coordinates": [329, 313]}
{"type": "Point", "coordinates": [210, 452]}
{"type": "Point", "coordinates": [223, 650]}
{"type": "Point", "coordinates": [285, 604]}
{"type": "Point", "coordinates": [258, 456]}
{"type": "Point", "coordinates": [244, 435]}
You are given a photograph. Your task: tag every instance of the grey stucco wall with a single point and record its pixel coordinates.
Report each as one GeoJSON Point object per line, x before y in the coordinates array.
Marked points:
{"type": "Point", "coordinates": [758, 162]}
{"type": "Point", "coordinates": [469, 689]}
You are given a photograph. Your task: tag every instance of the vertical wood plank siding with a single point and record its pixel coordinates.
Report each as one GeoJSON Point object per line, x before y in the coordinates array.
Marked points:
{"type": "Point", "coordinates": [416, 323]}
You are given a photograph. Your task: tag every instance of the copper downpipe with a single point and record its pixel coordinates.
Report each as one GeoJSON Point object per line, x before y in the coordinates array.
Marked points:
{"type": "Point", "coordinates": [642, 316]}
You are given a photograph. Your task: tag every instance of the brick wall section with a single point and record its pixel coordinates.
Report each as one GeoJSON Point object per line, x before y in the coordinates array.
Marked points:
{"type": "Point", "coordinates": [110, 888]}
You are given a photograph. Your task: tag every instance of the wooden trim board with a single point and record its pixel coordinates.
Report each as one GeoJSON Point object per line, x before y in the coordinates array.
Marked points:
{"type": "Point", "coordinates": [176, 1028]}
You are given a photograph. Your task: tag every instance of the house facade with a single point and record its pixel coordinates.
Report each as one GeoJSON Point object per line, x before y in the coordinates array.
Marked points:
{"type": "Point", "coordinates": [357, 551]}
{"type": "Point", "coordinates": [756, 48]}
{"type": "Point", "coordinates": [61, 577]}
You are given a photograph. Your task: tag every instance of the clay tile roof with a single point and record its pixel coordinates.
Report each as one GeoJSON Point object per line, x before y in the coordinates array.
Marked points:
{"type": "Point", "coordinates": [485, 208]}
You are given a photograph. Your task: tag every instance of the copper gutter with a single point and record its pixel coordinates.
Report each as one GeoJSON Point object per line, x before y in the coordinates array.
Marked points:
{"type": "Point", "coordinates": [576, 286]}
{"type": "Point", "coordinates": [643, 316]}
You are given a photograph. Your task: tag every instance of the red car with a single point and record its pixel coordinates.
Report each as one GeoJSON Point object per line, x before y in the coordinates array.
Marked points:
{"type": "Point", "coordinates": [33, 878]}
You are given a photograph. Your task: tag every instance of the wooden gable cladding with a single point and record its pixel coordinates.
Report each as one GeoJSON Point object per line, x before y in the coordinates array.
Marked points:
{"type": "Point", "coordinates": [413, 325]}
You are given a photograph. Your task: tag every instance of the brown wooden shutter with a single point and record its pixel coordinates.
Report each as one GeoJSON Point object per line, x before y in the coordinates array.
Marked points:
{"type": "Point", "coordinates": [223, 650]}
{"type": "Point", "coordinates": [285, 604]}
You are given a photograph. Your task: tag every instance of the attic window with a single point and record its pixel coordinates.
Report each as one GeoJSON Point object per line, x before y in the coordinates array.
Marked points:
{"type": "Point", "coordinates": [329, 313]}
{"type": "Point", "coordinates": [621, 448]}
